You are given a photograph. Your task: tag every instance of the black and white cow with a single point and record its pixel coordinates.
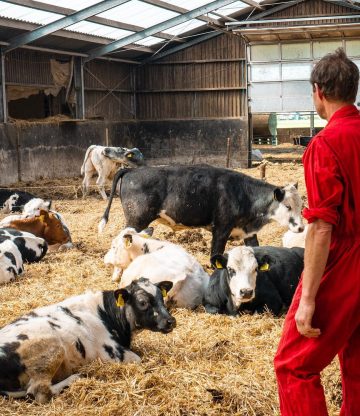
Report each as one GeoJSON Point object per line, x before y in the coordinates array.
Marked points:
{"type": "Point", "coordinates": [41, 352]}
{"type": "Point", "coordinates": [32, 248]}
{"type": "Point", "coordinates": [231, 203]}
{"type": "Point", "coordinates": [11, 262]}
{"type": "Point", "coordinates": [13, 200]}
{"type": "Point", "coordinates": [105, 161]}
{"type": "Point", "coordinates": [291, 239]}
{"type": "Point", "coordinates": [254, 279]}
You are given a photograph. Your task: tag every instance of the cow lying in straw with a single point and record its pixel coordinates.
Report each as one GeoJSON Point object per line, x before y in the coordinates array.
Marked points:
{"type": "Point", "coordinates": [136, 254]}
{"type": "Point", "coordinates": [41, 352]}
{"type": "Point", "coordinates": [48, 225]}
{"type": "Point", "coordinates": [11, 262]}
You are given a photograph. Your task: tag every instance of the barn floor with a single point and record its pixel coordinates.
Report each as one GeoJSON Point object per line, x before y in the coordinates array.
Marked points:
{"type": "Point", "coordinates": [209, 365]}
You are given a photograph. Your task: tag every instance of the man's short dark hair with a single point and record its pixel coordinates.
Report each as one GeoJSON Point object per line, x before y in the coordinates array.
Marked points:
{"type": "Point", "coordinates": [337, 77]}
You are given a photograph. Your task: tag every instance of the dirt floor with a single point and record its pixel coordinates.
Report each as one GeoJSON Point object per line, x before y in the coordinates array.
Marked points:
{"type": "Point", "coordinates": [209, 365]}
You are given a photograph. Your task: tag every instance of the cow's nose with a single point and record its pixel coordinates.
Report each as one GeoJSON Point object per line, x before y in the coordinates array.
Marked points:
{"type": "Point", "coordinates": [171, 322]}
{"type": "Point", "coordinates": [246, 293]}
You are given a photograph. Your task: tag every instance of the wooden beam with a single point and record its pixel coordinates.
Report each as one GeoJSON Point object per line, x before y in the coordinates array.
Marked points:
{"type": "Point", "coordinates": [3, 100]}
{"type": "Point", "coordinates": [79, 87]}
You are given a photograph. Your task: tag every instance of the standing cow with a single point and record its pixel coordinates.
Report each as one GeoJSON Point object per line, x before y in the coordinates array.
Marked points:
{"type": "Point", "coordinates": [41, 352]}
{"type": "Point", "coordinates": [105, 161]}
{"type": "Point", "coordinates": [254, 279]}
{"type": "Point", "coordinates": [231, 203]}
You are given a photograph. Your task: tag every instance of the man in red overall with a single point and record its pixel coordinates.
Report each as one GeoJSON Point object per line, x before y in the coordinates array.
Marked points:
{"type": "Point", "coordinates": [324, 317]}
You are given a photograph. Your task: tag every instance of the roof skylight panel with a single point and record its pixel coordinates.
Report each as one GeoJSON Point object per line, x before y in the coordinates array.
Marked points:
{"type": "Point", "coordinates": [13, 11]}
{"type": "Point", "coordinates": [96, 29]}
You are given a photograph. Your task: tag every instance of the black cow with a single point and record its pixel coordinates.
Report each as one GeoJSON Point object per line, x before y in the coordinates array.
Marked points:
{"type": "Point", "coordinates": [231, 203]}
{"type": "Point", "coordinates": [13, 200]}
{"type": "Point", "coordinates": [254, 279]}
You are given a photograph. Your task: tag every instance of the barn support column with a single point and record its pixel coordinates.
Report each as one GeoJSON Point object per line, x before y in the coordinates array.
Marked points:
{"type": "Point", "coordinates": [3, 100]}
{"type": "Point", "coordinates": [79, 87]}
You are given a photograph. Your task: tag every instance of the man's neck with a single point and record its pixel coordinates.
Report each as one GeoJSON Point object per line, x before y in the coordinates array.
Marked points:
{"type": "Point", "coordinates": [332, 107]}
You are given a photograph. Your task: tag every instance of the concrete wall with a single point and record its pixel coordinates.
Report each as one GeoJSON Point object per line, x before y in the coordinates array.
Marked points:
{"type": "Point", "coordinates": [30, 151]}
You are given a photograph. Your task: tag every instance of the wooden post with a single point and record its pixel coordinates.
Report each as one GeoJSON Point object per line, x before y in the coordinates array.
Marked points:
{"type": "Point", "coordinates": [228, 148]}
{"type": "Point", "coordinates": [3, 99]}
{"type": "Point", "coordinates": [106, 136]}
{"type": "Point", "coordinates": [79, 87]}
{"type": "Point", "coordinates": [263, 171]}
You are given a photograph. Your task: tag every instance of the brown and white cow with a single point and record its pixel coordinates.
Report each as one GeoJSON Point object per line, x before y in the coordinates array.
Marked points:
{"type": "Point", "coordinates": [48, 225]}
{"type": "Point", "coordinates": [41, 352]}
{"type": "Point", "coordinates": [136, 255]}
{"type": "Point", "coordinates": [105, 161]}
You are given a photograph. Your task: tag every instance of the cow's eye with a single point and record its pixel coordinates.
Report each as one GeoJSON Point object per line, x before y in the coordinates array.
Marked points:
{"type": "Point", "coordinates": [288, 207]}
{"type": "Point", "coordinates": [143, 303]}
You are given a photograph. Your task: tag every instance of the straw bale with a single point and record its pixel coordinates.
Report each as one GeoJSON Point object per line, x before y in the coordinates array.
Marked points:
{"type": "Point", "coordinates": [209, 365]}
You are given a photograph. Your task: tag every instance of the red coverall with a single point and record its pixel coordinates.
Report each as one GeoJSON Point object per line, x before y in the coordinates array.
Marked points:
{"type": "Point", "coordinates": [332, 175]}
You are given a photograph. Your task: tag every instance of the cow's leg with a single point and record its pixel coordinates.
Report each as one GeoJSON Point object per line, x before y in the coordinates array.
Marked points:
{"type": "Point", "coordinates": [101, 181]}
{"type": "Point", "coordinates": [59, 387]}
{"type": "Point", "coordinates": [87, 181]}
{"type": "Point", "coordinates": [252, 241]}
{"type": "Point", "coordinates": [220, 235]}
{"type": "Point", "coordinates": [42, 359]}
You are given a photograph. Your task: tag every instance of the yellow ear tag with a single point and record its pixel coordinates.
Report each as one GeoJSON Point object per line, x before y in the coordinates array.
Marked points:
{"type": "Point", "coordinates": [164, 293]}
{"type": "Point", "coordinates": [42, 218]}
{"type": "Point", "coordinates": [144, 235]}
{"type": "Point", "coordinates": [265, 267]}
{"type": "Point", "coordinates": [130, 155]}
{"type": "Point", "coordinates": [120, 301]}
{"type": "Point", "coordinates": [218, 265]}
{"type": "Point", "coordinates": [127, 243]}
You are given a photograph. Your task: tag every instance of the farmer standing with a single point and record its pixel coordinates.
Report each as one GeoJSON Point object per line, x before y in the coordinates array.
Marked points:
{"type": "Point", "coordinates": [324, 317]}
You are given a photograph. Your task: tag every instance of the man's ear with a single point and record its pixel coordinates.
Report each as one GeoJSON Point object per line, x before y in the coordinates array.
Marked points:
{"type": "Point", "coordinates": [279, 194]}
{"type": "Point", "coordinates": [121, 297]}
{"type": "Point", "coordinates": [219, 261]}
{"type": "Point", "coordinates": [128, 240]}
{"type": "Point", "coordinates": [165, 287]}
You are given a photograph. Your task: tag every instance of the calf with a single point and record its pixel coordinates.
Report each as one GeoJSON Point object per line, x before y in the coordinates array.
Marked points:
{"type": "Point", "coordinates": [11, 262]}
{"type": "Point", "coordinates": [48, 225]}
{"type": "Point", "coordinates": [254, 279]}
{"type": "Point", "coordinates": [41, 351]}
{"type": "Point", "coordinates": [105, 161]}
{"type": "Point", "coordinates": [34, 206]}
{"type": "Point", "coordinates": [32, 248]}
{"type": "Point", "coordinates": [138, 255]}
{"type": "Point", "coordinates": [231, 203]}
{"type": "Point", "coordinates": [13, 200]}
{"type": "Point", "coordinates": [291, 239]}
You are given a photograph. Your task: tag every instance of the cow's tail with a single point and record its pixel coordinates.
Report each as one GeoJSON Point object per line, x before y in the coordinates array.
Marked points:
{"type": "Point", "coordinates": [89, 149]}
{"type": "Point", "coordinates": [118, 175]}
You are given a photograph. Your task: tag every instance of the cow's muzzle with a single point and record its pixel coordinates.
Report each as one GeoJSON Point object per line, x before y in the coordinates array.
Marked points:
{"type": "Point", "coordinates": [246, 294]}
{"type": "Point", "coordinates": [167, 325]}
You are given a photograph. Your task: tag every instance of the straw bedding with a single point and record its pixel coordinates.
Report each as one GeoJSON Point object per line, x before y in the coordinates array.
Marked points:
{"type": "Point", "coordinates": [209, 365]}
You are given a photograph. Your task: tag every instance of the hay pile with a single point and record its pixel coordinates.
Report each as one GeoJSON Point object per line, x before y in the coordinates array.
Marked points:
{"type": "Point", "coordinates": [209, 365]}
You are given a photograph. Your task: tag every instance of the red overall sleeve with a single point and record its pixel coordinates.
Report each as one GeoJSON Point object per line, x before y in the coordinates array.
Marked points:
{"type": "Point", "coordinates": [323, 183]}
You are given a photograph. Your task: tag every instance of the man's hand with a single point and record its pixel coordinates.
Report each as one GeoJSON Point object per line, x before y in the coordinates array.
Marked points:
{"type": "Point", "coordinates": [303, 318]}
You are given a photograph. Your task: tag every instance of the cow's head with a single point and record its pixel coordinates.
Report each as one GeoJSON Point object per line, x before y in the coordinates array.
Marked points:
{"type": "Point", "coordinates": [54, 232]}
{"type": "Point", "coordinates": [242, 269]}
{"type": "Point", "coordinates": [10, 203]}
{"type": "Point", "coordinates": [286, 208]}
{"type": "Point", "coordinates": [144, 305]}
{"type": "Point", "coordinates": [124, 248]}
{"type": "Point", "coordinates": [131, 157]}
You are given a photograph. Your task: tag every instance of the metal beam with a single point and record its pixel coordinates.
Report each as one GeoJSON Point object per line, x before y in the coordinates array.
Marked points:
{"type": "Point", "coordinates": [178, 48]}
{"type": "Point", "coordinates": [253, 4]}
{"type": "Point", "coordinates": [45, 30]}
{"type": "Point", "coordinates": [3, 100]}
{"type": "Point", "coordinates": [94, 19]}
{"type": "Point", "coordinates": [275, 9]}
{"type": "Point", "coordinates": [79, 87]}
{"type": "Point", "coordinates": [177, 9]}
{"type": "Point", "coordinates": [199, 11]}
{"type": "Point", "coordinates": [343, 4]}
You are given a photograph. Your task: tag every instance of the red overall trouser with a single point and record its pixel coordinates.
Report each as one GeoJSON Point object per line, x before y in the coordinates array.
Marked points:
{"type": "Point", "coordinates": [299, 360]}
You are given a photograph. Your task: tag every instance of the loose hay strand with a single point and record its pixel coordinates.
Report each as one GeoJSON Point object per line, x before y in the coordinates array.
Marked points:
{"type": "Point", "coordinates": [209, 365]}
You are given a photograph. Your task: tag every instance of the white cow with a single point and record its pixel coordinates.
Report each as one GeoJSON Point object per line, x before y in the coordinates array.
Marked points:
{"type": "Point", "coordinates": [291, 239]}
{"type": "Point", "coordinates": [136, 255]}
{"type": "Point", "coordinates": [105, 161]}
{"type": "Point", "coordinates": [34, 206]}
{"type": "Point", "coordinates": [11, 262]}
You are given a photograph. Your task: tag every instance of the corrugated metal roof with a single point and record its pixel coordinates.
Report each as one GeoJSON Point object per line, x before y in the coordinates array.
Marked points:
{"type": "Point", "coordinates": [134, 12]}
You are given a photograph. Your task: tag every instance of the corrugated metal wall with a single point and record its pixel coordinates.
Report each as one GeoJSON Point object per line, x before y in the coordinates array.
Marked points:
{"type": "Point", "coordinates": [205, 81]}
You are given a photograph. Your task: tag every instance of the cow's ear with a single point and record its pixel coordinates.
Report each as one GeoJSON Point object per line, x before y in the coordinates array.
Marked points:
{"type": "Point", "coordinates": [48, 203]}
{"type": "Point", "coordinates": [219, 261]}
{"type": "Point", "coordinates": [279, 194]}
{"type": "Point", "coordinates": [295, 185]}
{"type": "Point", "coordinates": [121, 297]}
{"type": "Point", "coordinates": [148, 232]}
{"type": "Point", "coordinates": [265, 263]}
{"type": "Point", "coordinates": [165, 287]}
{"type": "Point", "coordinates": [128, 240]}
